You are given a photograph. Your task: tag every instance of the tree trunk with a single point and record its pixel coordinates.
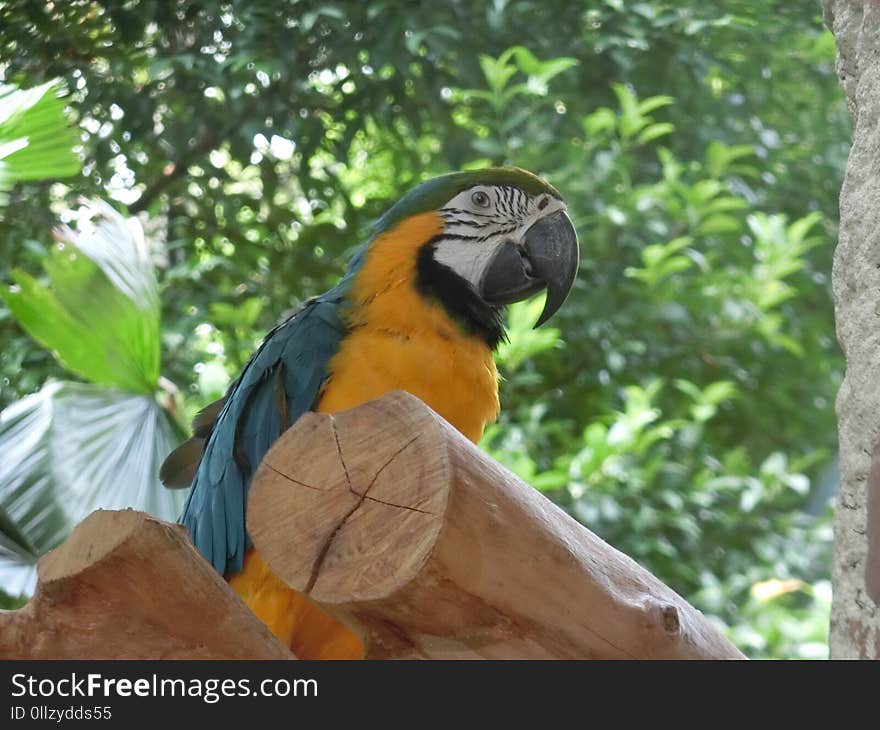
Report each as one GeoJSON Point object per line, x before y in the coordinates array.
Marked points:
{"type": "Point", "coordinates": [392, 521]}
{"type": "Point", "coordinates": [855, 622]}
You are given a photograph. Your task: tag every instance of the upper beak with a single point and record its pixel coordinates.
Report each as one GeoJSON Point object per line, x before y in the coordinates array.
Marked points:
{"type": "Point", "coordinates": [547, 259]}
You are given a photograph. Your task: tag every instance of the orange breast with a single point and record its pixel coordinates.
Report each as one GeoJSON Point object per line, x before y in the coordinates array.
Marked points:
{"type": "Point", "coordinates": [401, 340]}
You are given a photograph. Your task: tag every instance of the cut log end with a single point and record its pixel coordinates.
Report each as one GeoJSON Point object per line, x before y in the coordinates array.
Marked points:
{"type": "Point", "coordinates": [342, 510]}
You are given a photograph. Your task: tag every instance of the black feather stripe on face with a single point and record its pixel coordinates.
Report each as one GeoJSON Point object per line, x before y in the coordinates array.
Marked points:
{"type": "Point", "coordinates": [461, 302]}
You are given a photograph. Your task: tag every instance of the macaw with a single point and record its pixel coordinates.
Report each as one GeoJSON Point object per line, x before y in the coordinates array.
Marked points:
{"type": "Point", "coordinates": [419, 309]}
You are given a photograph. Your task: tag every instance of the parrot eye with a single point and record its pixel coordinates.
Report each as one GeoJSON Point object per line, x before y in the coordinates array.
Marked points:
{"type": "Point", "coordinates": [480, 199]}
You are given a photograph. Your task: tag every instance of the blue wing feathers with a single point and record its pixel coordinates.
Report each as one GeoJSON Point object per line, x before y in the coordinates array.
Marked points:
{"type": "Point", "coordinates": [297, 352]}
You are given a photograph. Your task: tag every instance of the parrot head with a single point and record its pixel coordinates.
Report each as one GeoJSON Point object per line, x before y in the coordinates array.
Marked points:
{"type": "Point", "coordinates": [502, 235]}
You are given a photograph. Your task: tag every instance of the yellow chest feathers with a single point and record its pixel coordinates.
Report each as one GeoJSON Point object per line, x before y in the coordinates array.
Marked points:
{"type": "Point", "coordinates": [401, 340]}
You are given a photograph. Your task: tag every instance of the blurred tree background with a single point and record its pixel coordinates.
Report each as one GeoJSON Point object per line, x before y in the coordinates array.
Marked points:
{"type": "Point", "coordinates": [681, 404]}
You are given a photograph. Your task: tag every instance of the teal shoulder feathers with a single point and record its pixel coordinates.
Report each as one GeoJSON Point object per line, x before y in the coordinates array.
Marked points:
{"type": "Point", "coordinates": [280, 382]}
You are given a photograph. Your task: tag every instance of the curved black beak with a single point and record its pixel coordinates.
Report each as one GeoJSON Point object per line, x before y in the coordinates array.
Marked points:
{"type": "Point", "coordinates": [547, 259]}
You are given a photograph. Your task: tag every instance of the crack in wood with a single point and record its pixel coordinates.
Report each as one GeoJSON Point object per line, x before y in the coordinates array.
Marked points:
{"type": "Point", "coordinates": [325, 548]}
{"type": "Point", "coordinates": [339, 452]}
{"type": "Point", "coordinates": [290, 478]}
{"type": "Point", "coordinates": [401, 506]}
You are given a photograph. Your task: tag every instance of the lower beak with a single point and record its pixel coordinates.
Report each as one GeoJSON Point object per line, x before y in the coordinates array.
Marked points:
{"type": "Point", "coordinates": [547, 259]}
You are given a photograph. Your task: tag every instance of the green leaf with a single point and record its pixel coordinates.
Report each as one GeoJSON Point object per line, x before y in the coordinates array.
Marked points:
{"type": "Point", "coordinates": [531, 65]}
{"type": "Point", "coordinates": [601, 120]}
{"type": "Point", "coordinates": [554, 67]}
{"type": "Point", "coordinates": [413, 41]}
{"type": "Point", "coordinates": [726, 203]}
{"type": "Point", "coordinates": [70, 449]}
{"type": "Point", "coordinates": [631, 121]}
{"type": "Point", "coordinates": [99, 314]}
{"type": "Point", "coordinates": [497, 72]}
{"type": "Point", "coordinates": [653, 131]}
{"type": "Point", "coordinates": [717, 224]}
{"type": "Point", "coordinates": [719, 157]}
{"type": "Point", "coordinates": [549, 481]}
{"type": "Point", "coordinates": [36, 139]}
{"type": "Point", "coordinates": [646, 106]}
{"type": "Point", "coordinates": [798, 230]}
{"type": "Point", "coordinates": [705, 190]}
{"type": "Point", "coordinates": [243, 314]}
{"type": "Point", "coordinates": [691, 389]}
{"type": "Point", "coordinates": [527, 61]}
{"type": "Point", "coordinates": [719, 391]}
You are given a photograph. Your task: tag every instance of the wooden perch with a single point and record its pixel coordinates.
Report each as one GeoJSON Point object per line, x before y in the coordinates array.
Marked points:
{"type": "Point", "coordinates": [127, 586]}
{"type": "Point", "coordinates": [388, 519]}
{"type": "Point", "coordinates": [392, 521]}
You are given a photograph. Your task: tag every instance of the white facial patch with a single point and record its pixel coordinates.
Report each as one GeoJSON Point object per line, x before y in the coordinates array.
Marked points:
{"type": "Point", "coordinates": [466, 258]}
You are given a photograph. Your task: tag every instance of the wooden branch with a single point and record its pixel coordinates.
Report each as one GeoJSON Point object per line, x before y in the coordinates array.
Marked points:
{"type": "Point", "coordinates": [392, 521]}
{"type": "Point", "coordinates": [127, 586]}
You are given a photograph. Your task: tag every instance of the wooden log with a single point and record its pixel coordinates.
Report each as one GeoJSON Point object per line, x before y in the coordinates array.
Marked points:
{"type": "Point", "coordinates": [127, 586]}
{"type": "Point", "coordinates": [392, 521]}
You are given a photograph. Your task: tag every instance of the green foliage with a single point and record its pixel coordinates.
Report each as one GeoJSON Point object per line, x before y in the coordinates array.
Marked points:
{"type": "Point", "coordinates": [680, 404]}
{"type": "Point", "coordinates": [36, 141]}
{"type": "Point", "coordinates": [100, 313]}
{"type": "Point", "coordinates": [785, 618]}
{"type": "Point", "coordinates": [67, 447]}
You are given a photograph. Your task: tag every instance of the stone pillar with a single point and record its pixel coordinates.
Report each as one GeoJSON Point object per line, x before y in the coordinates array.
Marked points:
{"type": "Point", "coordinates": [855, 619]}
